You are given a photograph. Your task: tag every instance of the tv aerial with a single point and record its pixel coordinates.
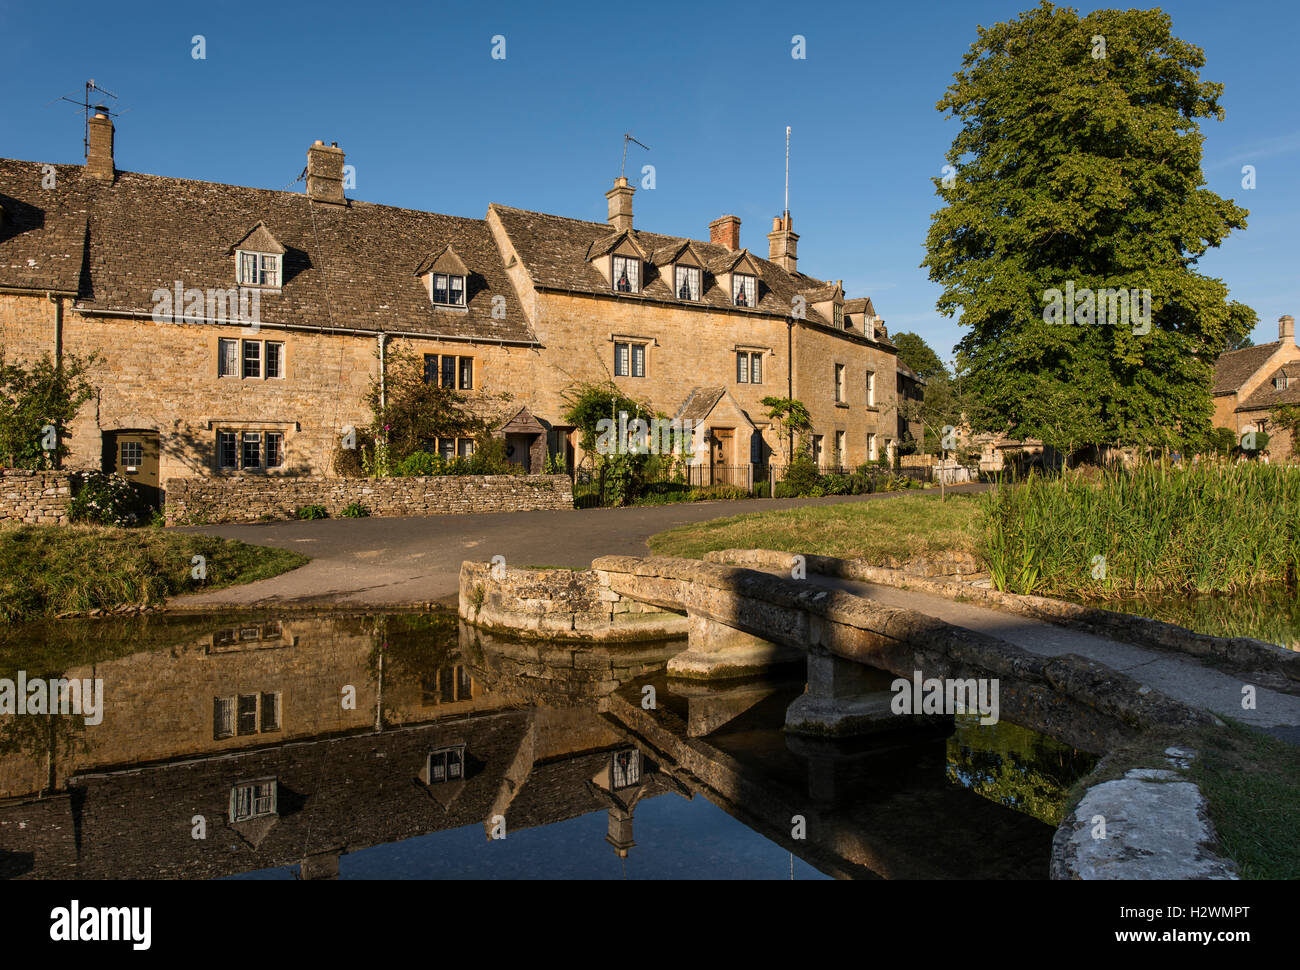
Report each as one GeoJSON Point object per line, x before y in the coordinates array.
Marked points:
{"type": "Point", "coordinates": [627, 137]}
{"type": "Point", "coordinates": [86, 103]}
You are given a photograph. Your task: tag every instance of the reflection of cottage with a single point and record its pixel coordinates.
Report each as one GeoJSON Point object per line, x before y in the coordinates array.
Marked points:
{"type": "Point", "coordinates": [1249, 383]}
{"type": "Point", "coordinates": [998, 452]}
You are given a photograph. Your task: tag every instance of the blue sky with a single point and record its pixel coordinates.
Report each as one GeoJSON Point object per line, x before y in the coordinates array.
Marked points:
{"type": "Point", "coordinates": [432, 121]}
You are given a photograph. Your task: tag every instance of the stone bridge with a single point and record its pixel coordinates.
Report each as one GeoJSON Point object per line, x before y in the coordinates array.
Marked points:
{"type": "Point", "coordinates": [743, 622]}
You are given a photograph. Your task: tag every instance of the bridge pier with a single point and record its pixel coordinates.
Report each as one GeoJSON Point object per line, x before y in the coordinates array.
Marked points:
{"type": "Point", "coordinates": [845, 698]}
{"type": "Point", "coordinates": [715, 651]}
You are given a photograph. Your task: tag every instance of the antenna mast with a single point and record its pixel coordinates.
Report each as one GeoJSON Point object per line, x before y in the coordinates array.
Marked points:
{"type": "Point", "coordinates": [627, 137]}
{"type": "Point", "coordinates": [85, 105]}
{"type": "Point", "coordinates": [787, 172]}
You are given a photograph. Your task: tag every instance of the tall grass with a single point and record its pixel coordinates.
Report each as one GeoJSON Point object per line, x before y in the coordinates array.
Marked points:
{"type": "Point", "coordinates": [1160, 528]}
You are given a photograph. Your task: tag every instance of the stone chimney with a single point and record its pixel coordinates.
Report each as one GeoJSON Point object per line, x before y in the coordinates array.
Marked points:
{"type": "Point", "coordinates": [99, 147]}
{"type": "Point", "coordinates": [620, 204]}
{"type": "Point", "coordinates": [325, 173]}
{"type": "Point", "coordinates": [725, 231]}
{"type": "Point", "coordinates": [783, 242]}
{"type": "Point", "coordinates": [1286, 329]}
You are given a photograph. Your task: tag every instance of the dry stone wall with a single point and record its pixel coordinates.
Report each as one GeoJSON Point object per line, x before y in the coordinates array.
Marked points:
{"type": "Point", "coordinates": [39, 498]}
{"type": "Point", "coordinates": [244, 499]}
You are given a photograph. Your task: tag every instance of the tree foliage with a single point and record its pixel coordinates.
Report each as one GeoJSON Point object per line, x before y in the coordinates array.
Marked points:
{"type": "Point", "coordinates": [35, 397]}
{"type": "Point", "coordinates": [1079, 160]}
{"type": "Point", "coordinates": [789, 417]}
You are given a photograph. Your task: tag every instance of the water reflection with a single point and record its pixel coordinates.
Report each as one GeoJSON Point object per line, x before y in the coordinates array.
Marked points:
{"type": "Point", "coordinates": [326, 746]}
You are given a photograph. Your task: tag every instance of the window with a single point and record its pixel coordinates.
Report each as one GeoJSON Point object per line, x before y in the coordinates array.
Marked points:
{"type": "Point", "coordinates": [817, 450]}
{"type": "Point", "coordinates": [629, 360]}
{"type": "Point", "coordinates": [253, 800]}
{"type": "Point", "coordinates": [744, 289]}
{"type": "Point", "coordinates": [274, 359]}
{"type": "Point", "coordinates": [625, 769]}
{"type": "Point", "coordinates": [749, 367]}
{"type": "Point", "coordinates": [252, 358]}
{"type": "Point", "coordinates": [839, 383]}
{"type": "Point", "coordinates": [259, 269]}
{"type": "Point", "coordinates": [250, 449]}
{"type": "Point", "coordinates": [132, 454]}
{"type": "Point", "coordinates": [686, 282]}
{"type": "Point", "coordinates": [227, 363]}
{"type": "Point", "coordinates": [839, 449]}
{"type": "Point", "coordinates": [448, 290]}
{"type": "Point", "coordinates": [245, 714]}
{"type": "Point", "coordinates": [447, 764]}
{"type": "Point", "coordinates": [837, 314]}
{"type": "Point", "coordinates": [465, 447]}
{"type": "Point", "coordinates": [871, 388]}
{"type": "Point", "coordinates": [627, 274]}
{"type": "Point", "coordinates": [449, 371]}
{"type": "Point", "coordinates": [871, 446]}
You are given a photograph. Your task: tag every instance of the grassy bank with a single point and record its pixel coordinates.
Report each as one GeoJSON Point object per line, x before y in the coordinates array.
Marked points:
{"type": "Point", "coordinates": [48, 570]}
{"type": "Point", "coordinates": [1156, 529]}
{"type": "Point", "coordinates": [904, 526]}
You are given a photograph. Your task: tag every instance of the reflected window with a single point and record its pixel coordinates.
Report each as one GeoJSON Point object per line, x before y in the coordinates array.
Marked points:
{"type": "Point", "coordinates": [253, 799]}
{"type": "Point", "coordinates": [625, 772]}
{"type": "Point", "coordinates": [447, 764]}
{"type": "Point", "coordinates": [244, 714]}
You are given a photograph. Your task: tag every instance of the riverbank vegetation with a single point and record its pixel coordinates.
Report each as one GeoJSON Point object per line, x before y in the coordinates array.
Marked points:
{"type": "Point", "coordinates": [1155, 529]}
{"type": "Point", "coordinates": [51, 570]}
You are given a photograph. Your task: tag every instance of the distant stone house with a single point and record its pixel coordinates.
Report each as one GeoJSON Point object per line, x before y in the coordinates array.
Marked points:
{"type": "Point", "coordinates": [160, 277]}
{"type": "Point", "coordinates": [1250, 383]}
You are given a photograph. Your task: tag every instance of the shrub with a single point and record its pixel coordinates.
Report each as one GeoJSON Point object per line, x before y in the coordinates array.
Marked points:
{"type": "Point", "coordinates": [104, 500]}
{"type": "Point", "coordinates": [801, 476]}
{"type": "Point", "coordinates": [710, 493]}
{"type": "Point", "coordinates": [837, 485]}
{"type": "Point", "coordinates": [355, 510]}
{"type": "Point", "coordinates": [762, 490]}
{"type": "Point", "coordinates": [312, 512]}
{"type": "Point", "coordinates": [421, 463]}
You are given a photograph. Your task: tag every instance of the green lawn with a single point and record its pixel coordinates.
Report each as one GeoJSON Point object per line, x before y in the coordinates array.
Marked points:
{"type": "Point", "coordinates": [907, 526]}
{"type": "Point", "coordinates": [47, 570]}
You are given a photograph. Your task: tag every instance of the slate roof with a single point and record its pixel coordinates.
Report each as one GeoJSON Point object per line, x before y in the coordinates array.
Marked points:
{"type": "Point", "coordinates": [351, 267]}
{"type": "Point", "coordinates": [42, 231]}
{"type": "Point", "coordinates": [554, 250]}
{"type": "Point", "coordinates": [1235, 367]}
{"type": "Point", "coordinates": [1268, 396]}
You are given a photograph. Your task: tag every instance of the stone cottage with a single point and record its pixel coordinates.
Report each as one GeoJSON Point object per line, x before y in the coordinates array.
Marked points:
{"type": "Point", "coordinates": [238, 330]}
{"type": "Point", "coordinates": [1250, 383]}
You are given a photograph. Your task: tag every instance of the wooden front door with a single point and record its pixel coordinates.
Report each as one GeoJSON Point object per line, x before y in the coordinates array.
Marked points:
{"type": "Point", "coordinates": [724, 456]}
{"type": "Point", "coordinates": [134, 456]}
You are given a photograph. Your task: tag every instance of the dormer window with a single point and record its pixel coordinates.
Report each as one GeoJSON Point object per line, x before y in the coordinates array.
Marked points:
{"type": "Point", "coordinates": [447, 289]}
{"type": "Point", "coordinates": [686, 282]}
{"type": "Point", "coordinates": [744, 289]}
{"type": "Point", "coordinates": [837, 314]}
{"type": "Point", "coordinates": [259, 269]}
{"type": "Point", "coordinates": [627, 274]}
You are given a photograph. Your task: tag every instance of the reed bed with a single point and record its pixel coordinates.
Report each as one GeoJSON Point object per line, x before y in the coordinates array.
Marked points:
{"type": "Point", "coordinates": [1158, 528]}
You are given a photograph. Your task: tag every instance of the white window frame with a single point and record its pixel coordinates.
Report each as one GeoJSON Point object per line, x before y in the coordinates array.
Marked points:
{"type": "Point", "coordinates": [694, 280]}
{"type": "Point", "coordinates": [840, 389]}
{"type": "Point", "coordinates": [258, 269]}
{"type": "Point", "coordinates": [873, 452]}
{"type": "Point", "coordinates": [442, 753]}
{"type": "Point", "coordinates": [244, 360]}
{"type": "Point", "coordinates": [263, 449]}
{"type": "Point", "coordinates": [837, 315]}
{"type": "Point", "coordinates": [450, 301]}
{"type": "Point", "coordinates": [634, 352]}
{"type": "Point", "coordinates": [266, 360]}
{"type": "Point", "coordinates": [841, 449]}
{"type": "Point", "coordinates": [871, 388]}
{"type": "Point", "coordinates": [236, 369]}
{"type": "Point", "coordinates": [268, 802]}
{"type": "Point", "coordinates": [747, 283]}
{"type": "Point", "coordinates": [633, 265]}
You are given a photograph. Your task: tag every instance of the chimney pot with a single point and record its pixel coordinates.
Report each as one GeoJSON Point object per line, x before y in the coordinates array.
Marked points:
{"type": "Point", "coordinates": [620, 204]}
{"type": "Point", "coordinates": [99, 147]}
{"type": "Point", "coordinates": [725, 231]}
{"type": "Point", "coordinates": [325, 173]}
{"type": "Point", "coordinates": [783, 243]}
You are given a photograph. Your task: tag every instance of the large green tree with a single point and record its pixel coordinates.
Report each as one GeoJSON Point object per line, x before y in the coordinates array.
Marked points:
{"type": "Point", "coordinates": [1079, 163]}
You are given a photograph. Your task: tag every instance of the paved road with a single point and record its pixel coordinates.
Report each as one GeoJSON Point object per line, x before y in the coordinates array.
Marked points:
{"type": "Point", "coordinates": [397, 562]}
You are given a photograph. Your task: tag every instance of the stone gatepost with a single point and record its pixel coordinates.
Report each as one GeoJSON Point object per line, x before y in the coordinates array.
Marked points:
{"type": "Point", "coordinates": [715, 651]}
